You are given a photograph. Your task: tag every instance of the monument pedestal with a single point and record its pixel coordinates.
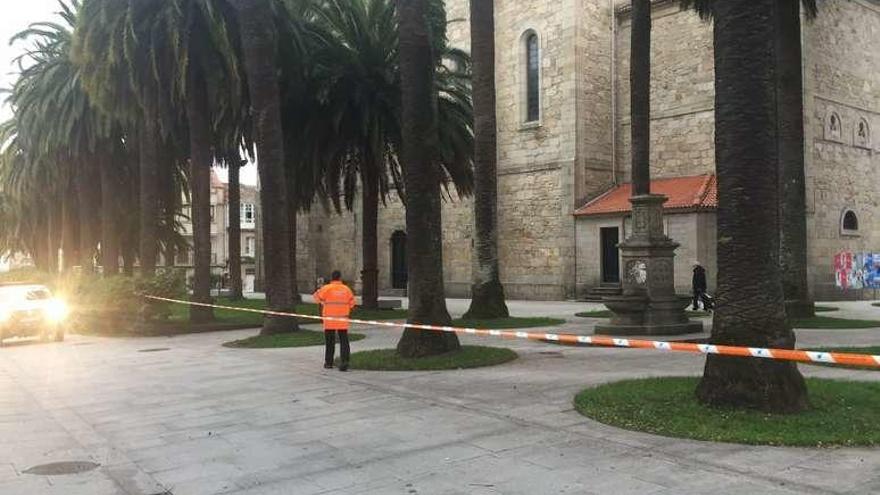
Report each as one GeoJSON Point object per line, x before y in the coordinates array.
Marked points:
{"type": "Point", "coordinates": [648, 304]}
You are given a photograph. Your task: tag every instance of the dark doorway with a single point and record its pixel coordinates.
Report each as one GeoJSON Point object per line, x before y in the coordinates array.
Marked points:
{"type": "Point", "coordinates": [610, 258]}
{"type": "Point", "coordinates": [398, 260]}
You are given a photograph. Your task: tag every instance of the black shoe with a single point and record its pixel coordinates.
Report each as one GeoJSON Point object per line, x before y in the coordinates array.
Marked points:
{"type": "Point", "coordinates": [328, 366]}
{"type": "Point", "coordinates": [343, 367]}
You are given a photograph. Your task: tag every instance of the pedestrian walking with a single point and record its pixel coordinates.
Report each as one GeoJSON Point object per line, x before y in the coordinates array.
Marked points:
{"type": "Point", "coordinates": [337, 301]}
{"type": "Point", "coordinates": [699, 286]}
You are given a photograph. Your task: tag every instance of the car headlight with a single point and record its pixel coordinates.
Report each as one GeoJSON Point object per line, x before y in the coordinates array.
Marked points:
{"type": "Point", "coordinates": [56, 310]}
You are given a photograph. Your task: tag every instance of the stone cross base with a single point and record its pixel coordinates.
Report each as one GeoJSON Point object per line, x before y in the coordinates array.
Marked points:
{"type": "Point", "coordinates": [648, 305]}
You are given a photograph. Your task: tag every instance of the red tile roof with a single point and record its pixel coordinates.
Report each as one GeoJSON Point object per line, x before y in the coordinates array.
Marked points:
{"type": "Point", "coordinates": [683, 193]}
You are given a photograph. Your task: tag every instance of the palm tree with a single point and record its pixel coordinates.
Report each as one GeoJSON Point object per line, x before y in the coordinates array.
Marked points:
{"type": "Point", "coordinates": [118, 68]}
{"type": "Point", "coordinates": [233, 164]}
{"type": "Point", "coordinates": [350, 133]}
{"type": "Point", "coordinates": [422, 178]}
{"type": "Point", "coordinates": [60, 127]}
{"type": "Point", "coordinates": [487, 293]}
{"type": "Point", "coordinates": [792, 205]}
{"type": "Point", "coordinates": [750, 299]}
{"type": "Point", "coordinates": [258, 34]}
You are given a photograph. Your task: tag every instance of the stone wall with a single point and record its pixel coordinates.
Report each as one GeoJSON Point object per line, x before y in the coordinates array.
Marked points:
{"type": "Point", "coordinates": [682, 93]}
{"type": "Point", "coordinates": [694, 231]}
{"type": "Point", "coordinates": [842, 78]}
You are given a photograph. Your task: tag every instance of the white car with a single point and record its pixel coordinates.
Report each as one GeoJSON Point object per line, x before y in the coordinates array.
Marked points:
{"type": "Point", "coordinates": [28, 310]}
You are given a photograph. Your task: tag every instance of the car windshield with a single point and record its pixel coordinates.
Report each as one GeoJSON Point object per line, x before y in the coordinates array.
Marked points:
{"type": "Point", "coordinates": [26, 293]}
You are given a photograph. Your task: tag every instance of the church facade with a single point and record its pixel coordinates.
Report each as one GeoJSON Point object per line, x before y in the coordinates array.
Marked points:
{"type": "Point", "coordinates": [563, 153]}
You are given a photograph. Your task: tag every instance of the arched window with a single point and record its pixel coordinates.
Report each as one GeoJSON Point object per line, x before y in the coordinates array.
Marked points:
{"type": "Point", "coordinates": [533, 66]}
{"type": "Point", "coordinates": [849, 222]}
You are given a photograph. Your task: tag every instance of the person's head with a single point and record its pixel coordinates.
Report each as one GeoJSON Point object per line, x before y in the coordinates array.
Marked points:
{"type": "Point", "coordinates": [696, 263]}
{"type": "Point", "coordinates": [336, 275]}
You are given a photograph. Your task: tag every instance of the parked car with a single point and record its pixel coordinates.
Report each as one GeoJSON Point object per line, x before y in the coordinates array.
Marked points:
{"type": "Point", "coordinates": [28, 310]}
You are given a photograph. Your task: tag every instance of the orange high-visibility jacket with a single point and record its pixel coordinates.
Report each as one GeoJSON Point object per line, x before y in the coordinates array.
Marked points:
{"type": "Point", "coordinates": [336, 299]}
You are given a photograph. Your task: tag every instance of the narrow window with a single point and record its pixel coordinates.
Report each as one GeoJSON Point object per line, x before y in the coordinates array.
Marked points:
{"type": "Point", "coordinates": [532, 78]}
{"type": "Point", "coordinates": [850, 221]}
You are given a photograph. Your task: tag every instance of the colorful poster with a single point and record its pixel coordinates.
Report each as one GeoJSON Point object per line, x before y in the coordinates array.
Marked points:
{"type": "Point", "coordinates": [857, 270]}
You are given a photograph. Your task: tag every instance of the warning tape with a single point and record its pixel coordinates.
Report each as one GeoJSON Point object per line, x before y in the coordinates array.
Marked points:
{"type": "Point", "coordinates": [843, 358]}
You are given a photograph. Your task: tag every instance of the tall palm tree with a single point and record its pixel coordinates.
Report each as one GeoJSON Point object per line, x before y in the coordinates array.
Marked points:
{"type": "Point", "coordinates": [792, 205]}
{"type": "Point", "coordinates": [350, 133]}
{"type": "Point", "coordinates": [259, 43]}
{"type": "Point", "coordinates": [487, 293]}
{"type": "Point", "coordinates": [60, 125]}
{"type": "Point", "coordinates": [422, 178]}
{"type": "Point", "coordinates": [233, 163]}
{"type": "Point", "coordinates": [750, 307]}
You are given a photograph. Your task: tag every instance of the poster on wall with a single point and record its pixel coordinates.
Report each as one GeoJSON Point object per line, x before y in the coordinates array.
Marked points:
{"type": "Point", "coordinates": [857, 270]}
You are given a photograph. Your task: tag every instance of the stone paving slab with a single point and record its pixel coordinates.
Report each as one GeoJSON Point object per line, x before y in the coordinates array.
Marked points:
{"type": "Point", "coordinates": [203, 419]}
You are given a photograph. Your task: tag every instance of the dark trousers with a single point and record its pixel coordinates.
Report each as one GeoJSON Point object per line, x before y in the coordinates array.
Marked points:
{"type": "Point", "coordinates": [698, 298]}
{"type": "Point", "coordinates": [330, 346]}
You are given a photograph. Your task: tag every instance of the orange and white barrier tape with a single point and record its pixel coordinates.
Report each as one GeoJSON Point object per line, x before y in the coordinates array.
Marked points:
{"type": "Point", "coordinates": [844, 358]}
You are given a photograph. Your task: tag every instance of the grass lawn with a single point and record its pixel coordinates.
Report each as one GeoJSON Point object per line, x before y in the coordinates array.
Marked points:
{"type": "Point", "coordinates": [828, 322]}
{"type": "Point", "coordinates": [180, 312]}
{"type": "Point", "coordinates": [605, 313]}
{"type": "Point", "coordinates": [509, 322]}
{"type": "Point", "coordinates": [469, 356]}
{"type": "Point", "coordinates": [842, 413]}
{"type": "Point", "coordinates": [302, 338]}
{"type": "Point", "coordinates": [873, 350]}
{"type": "Point", "coordinates": [825, 309]}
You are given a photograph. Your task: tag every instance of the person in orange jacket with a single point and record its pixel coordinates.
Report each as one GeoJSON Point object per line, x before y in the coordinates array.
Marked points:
{"type": "Point", "coordinates": [336, 300]}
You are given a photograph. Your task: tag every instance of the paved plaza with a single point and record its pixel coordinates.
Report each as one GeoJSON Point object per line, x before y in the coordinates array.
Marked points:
{"type": "Point", "coordinates": [185, 415]}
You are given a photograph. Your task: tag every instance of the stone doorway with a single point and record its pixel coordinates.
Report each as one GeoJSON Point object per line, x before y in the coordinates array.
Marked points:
{"type": "Point", "coordinates": [610, 237]}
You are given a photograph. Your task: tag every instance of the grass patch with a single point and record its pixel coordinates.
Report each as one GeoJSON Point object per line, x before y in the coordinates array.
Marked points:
{"type": "Point", "coordinates": [828, 322]}
{"type": "Point", "coordinates": [842, 413]}
{"type": "Point", "coordinates": [302, 338]}
{"type": "Point", "coordinates": [873, 350]}
{"type": "Point", "coordinates": [180, 312]}
{"type": "Point", "coordinates": [605, 313]}
{"type": "Point", "coordinates": [825, 309]}
{"type": "Point", "coordinates": [469, 356]}
{"type": "Point", "coordinates": [509, 322]}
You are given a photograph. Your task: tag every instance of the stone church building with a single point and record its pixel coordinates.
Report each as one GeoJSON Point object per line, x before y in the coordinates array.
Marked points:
{"type": "Point", "coordinates": [563, 153]}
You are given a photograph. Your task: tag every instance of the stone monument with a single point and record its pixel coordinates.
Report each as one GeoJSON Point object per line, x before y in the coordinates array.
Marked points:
{"type": "Point", "coordinates": [648, 304]}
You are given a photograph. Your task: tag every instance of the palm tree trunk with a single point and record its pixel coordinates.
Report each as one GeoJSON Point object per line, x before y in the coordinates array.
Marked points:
{"type": "Point", "coordinates": [640, 96]}
{"type": "Point", "coordinates": [149, 204]}
{"type": "Point", "coordinates": [200, 177]}
{"type": "Point", "coordinates": [109, 216]}
{"type": "Point", "coordinates": [169, 198]}
{"type": "Point", "coordinates": [292, 208]}
{"type": "Point", "coordinates": [53, 235]}
{"type": "Point", "coordinates": [487, 293]}
{"type": "Point", "coordinates": [793, 204]}
{"type": "Point", "coordinates": [750, 309]}
{"type": "Point", "coordinates": [258, 46]}
{"type": "Point", "coordinates": [427, 302]}
{"type": "Point", "coordinates": [68, 236]}
{"type": "Point", "coordinates": [235, 231]}
{"type": "Point", "coordinates": [370, 240]}
{"type": "Point", "coordinates": [86, 200]}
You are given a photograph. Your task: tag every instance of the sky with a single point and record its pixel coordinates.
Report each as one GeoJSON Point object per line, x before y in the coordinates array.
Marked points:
{"type": "Point", "coordinates": [17, 15]}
